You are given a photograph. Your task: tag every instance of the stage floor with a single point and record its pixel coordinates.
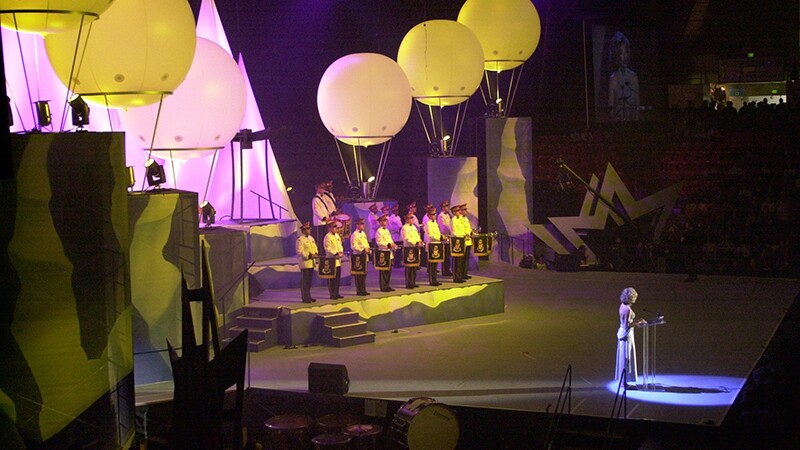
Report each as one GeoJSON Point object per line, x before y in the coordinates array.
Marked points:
{"type": "Point", "coordinates": [716, 330]}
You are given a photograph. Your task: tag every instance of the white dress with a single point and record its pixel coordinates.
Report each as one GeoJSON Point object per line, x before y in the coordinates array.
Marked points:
{"type": "Point", "coordinates": [626, 348]}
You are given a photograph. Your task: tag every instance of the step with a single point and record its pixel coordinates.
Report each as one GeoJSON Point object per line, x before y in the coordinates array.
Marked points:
{"type": "Point", "coordinates": [257, 339]}
{"type": "Point", "coordinates": [339, 318]}
{"type": "Point", "coordinates": [366, 338]}
{"type": "Point", "coordinates": [350, 329]}
{"type": "Point", "coordinates": [254, 310]}
{"type": "Point", "coordinates": [256, 322]}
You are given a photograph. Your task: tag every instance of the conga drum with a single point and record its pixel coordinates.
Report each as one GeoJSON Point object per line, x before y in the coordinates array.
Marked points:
{"type": "Point", "coordinates": [331, 441]}
{"type": "Point", "coordinates": [365, 436]}
{"type": "Point", "coordinates": [347, 222]}
{"type": "Point", "coordinates": [335, 423]}
{"type": "Point", "coordinates": [289, 431]}
{"type": "Point", "coordinates": [423, 424]}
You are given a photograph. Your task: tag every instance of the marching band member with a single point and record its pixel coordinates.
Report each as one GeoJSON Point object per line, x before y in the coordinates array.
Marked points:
{"type": "Point", "coordinates": [323, 209]}
{"type": "Point", "coordinates": [372, 220]}
{"type": "Point", "coordinates": [360, 244]}
{"type": "Point", "coordinates": [394, 225]}
{"type": "Point", "coordinates": [432, 234]}
{"type": "Point", "coordinates": [468, 241]}
{"type": "Point", "coordinates": [460, 229]}
{"type": "Point", "coordinates": [411, 239]}
{"type": "Point", "coordinates": [334, 249]}
{"type": "Point", "coordinates": [306, 252]}
{"type": "Point", "coordinates": [445, 227]}
{"type": "Point", "coordinates": [383, 238]}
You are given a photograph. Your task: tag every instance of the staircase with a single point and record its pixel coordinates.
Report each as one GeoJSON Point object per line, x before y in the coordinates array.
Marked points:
{"type": "Point", "coordinates": [262, 324]}
{"type": "Point", "coordinates": [343, 329]}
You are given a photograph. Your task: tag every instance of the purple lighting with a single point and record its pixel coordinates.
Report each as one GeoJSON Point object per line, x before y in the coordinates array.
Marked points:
{"type": "Point", "coordinates": [687, 390]}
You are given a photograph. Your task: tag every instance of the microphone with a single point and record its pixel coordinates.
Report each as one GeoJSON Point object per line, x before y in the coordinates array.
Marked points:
{"type": "Point", "coordinates": [657, 313]}
{"type": "Point", "coordinates": [562, 178]}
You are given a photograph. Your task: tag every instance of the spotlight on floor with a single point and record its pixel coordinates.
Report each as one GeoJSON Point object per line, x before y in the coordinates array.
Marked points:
{"type": "Point", "coordinates": [80, 112]}
{"type": "Point", "coordinates": [43, 112]}
{"type": "Point", "coordinates": [208, 212]}
{"type": "Point", "coordinates": [155, 173]}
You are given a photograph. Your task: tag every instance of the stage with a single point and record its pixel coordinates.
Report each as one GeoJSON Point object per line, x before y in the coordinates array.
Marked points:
{"type": "Point", "coordinates": [716, 330]}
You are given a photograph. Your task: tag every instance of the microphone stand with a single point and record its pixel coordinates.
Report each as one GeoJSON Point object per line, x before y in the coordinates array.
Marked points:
{"type": "Point", "coordinates": [643, 239]}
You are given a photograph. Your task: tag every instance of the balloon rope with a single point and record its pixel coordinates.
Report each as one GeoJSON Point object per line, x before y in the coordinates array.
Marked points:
{"type": "Point", "coordinates": [72, 72]}
{"type": "Point", "coordinates": [381, 166]}
{"type": "Point", "coordinates": [421, 119]}
{"type": "Point", "coordinates": [341, 158]}
{"type": "Point", "coordinates": [24, 70]}
{"type": "Point", "coordinates": [153, 138]}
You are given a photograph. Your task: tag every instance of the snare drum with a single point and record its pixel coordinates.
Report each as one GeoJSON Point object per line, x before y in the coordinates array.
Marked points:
{"type": "Point", "coordinates": [421, 423]}
{"type": "Point", "coordinates": [346, 223]}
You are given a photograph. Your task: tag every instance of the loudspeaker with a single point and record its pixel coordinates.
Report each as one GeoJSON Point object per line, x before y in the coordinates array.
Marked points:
{"type": "Point", "coordinates": [328, 379]}
{"type": "Point", "coordinates": [567, 263]}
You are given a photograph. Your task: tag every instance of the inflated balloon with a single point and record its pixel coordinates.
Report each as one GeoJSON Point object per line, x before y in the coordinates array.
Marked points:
{"type": "Point", "coordinates": [137, 51]}
{"type": "Point", "coordinates": [204, 112]}
{"type": "Point", "coordinates": [508, 30]}
{"type": "Point", "coordinates": [49, 16]}
{"type": "Point", "coordinates": [364, 99]}
{"type": "Point", "coordinates": [443, 61]}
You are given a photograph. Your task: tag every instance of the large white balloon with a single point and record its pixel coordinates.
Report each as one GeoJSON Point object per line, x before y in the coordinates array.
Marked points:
{"type": "Point", "coordinates": [443, 61]}
{"type": "Point", "coordinates": [49, 16]}
{"type": "Point", "coordinates": [364, 99]}
{"type": "Point", "coordinates": [205, 112]}
{"type": "Point", "coordinates": [508, 30]}
{"type": "Point", "coordinates": [136, 51]}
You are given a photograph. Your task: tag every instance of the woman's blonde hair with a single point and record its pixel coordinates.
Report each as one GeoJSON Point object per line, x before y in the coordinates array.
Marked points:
{"type": "Point", "coordinates": [628, 295]}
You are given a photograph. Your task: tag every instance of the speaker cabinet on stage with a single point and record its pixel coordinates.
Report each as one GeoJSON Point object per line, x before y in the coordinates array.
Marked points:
{"type": "Point", "coordinates": [328, 379]}
{"type": "Point", "coordinates": [567, 263]}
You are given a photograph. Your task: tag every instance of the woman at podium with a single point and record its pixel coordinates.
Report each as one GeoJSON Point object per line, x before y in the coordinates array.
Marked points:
{"type": "Point", "coordinates": [626, 345]}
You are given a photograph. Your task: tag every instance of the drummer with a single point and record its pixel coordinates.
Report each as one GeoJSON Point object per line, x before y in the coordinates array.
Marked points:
{"type": "Point", "coordinates": [333, 249]}
{"type": "Point", "coordinates": [359, 244]}
{"type": "Point", "coordinates": [372, 221]}
{"type": "Point", "coordinates": [306, 252]}
{"type": "Point", "coordinates": [432, 234]}
{"type": "Point", "coordinates": [444, 220]}
{"type": "Point", "coordinates": [323, 209]}
{"type": "Point", "coordinates": [459, 230]}
{"type": "Point", "coordinates": [411, 239]}
{"type": "Point", "coordinates": [383, 238]}
{"type": "Point", "coordinates": [467, 241]}
{"type": "Point", "coordinates": [394, 225]}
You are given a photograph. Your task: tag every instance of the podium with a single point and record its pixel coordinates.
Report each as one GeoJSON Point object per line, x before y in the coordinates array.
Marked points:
{"type": "Point", "coordinates": [649, 351]}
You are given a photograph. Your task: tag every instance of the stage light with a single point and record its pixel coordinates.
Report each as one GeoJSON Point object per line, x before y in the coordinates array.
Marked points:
{"type": "Point", "coordinates": [80, 112]}
{"type": "Point", "coordinates": [289, 189]}
{"type": "Point", "coordinates": [43, 112]}
{"type": "Point", "coordinates": [155, 173]}
{"type": "Point", "coordinates": [371, 179]}
{"type": "Point", "coordinates": [208, 212]}
{"type": "Point", "coordinates": [435, 149]}
{"type": "Point", "coordinates": [131, 176]}
{"type": "Point", "coordinates": [446, 137]}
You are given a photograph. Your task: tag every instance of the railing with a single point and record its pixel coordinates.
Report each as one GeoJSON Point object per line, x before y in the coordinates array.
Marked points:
{"type": "Point", "coordinates": [524, 243]}
{"type": "Point", "coordinates": [558, 411]}
{"type": "Point", "coordinates": [281, 209]}
{"type": "Point", "coordinates": [620, 408]}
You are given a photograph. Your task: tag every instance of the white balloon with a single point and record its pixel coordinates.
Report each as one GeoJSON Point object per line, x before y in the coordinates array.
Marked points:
{"type": "Point", "coordinates": [205, 111]}
{"type": "Point", "coordinates": [364, 99]}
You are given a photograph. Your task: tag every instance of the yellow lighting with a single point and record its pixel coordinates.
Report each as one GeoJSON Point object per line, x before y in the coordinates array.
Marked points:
{"type": "Point", "coordinates": [508, 30]}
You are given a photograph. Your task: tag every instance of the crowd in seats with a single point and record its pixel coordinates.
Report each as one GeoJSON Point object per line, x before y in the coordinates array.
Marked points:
{"type": "Point", "coordinates": [740, 188]}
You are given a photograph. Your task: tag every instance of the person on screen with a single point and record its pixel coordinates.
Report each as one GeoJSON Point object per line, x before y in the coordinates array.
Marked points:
{"type": "Point", "coordinates": [623, 85]}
